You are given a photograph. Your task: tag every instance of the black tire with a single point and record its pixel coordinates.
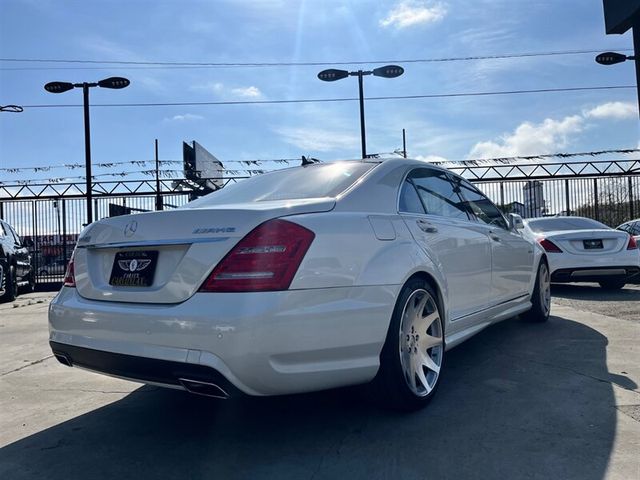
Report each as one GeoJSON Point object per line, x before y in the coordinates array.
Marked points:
{"type": "Point", "coordinates": [612, 284]}
{"type": "Point", "coordinates": [540, 301]}
{"type": "Point", "coordinates": [391, 386]}
{"type": "Point", "coordinates": [10, 290]}
{"type": "Point", "coordinates": [31, 286]}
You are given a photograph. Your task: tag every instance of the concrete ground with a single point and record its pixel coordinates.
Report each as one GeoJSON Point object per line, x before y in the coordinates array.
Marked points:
{"type": "Point", "coordinates": [519, 400]}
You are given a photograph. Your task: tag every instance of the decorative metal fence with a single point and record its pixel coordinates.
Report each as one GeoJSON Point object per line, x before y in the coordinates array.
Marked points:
{"type": "Point", "coordinates": [49, 216]}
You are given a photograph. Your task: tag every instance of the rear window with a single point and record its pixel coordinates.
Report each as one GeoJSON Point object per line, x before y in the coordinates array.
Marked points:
{"type": "Point", "coordinates": [560, 224]}
{"type": "Point", "coordinates": [314, 181]}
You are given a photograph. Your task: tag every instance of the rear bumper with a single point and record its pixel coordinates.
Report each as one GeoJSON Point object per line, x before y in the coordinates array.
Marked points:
{"type": "Point", "coordinates": [263, 343]}
{"type": "Point", "coordinates": [145, 370]}
{"type": "Point", "coordinates": [596, 274]}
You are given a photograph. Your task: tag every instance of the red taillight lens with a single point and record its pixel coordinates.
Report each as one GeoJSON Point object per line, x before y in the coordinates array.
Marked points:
{"type": "Point", "coordinates": [265, 260]}
{"type": "Point", "coordinates": [549, 246]}
{"type": "Point", "coordinates": [632, 245]}
{"type": "Point", "coordinates": [69, 276]}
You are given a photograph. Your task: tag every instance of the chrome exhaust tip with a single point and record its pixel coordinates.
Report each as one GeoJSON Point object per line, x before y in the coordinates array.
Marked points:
{"type": "Point", "coordinates": [63, 359]}
{"type": "Point", "coordinates": [203, 388]}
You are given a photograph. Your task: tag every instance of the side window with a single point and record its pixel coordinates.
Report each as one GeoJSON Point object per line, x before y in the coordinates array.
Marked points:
{"type": "Point", "coordinates": [438, 194]}
{"type": "Point", "coordinates": [481, 206]}
{"type": "Point", "coordinates": [15, 235]}
{"type": "Point", "coordinates": [3, 233]}
{"type": "Point", "coordinates": [409, 200]}
{"type": "Point", "coordinates": [634, 228]}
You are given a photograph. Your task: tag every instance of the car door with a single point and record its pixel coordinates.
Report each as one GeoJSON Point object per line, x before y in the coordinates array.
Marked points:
{"type": "Point", "coordinates": [512, 255]}
{"type": "Point", "coordinates": [434, 214]}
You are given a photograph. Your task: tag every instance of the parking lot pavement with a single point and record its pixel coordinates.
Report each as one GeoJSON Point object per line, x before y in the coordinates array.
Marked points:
{"type": "Point", "coordinates": [589, 297]}
{"type": "Point", "coordinates": [519, 400]}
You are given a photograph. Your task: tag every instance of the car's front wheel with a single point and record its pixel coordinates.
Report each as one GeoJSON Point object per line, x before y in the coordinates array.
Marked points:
{"type": "Point", "coordinates": [413, 354]}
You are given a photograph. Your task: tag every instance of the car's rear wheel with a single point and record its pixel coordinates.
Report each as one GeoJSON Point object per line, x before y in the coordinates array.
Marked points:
{"type": "Point", "coordinates": [541, 296]}
{"type": "Point", "coordinates": [612, 284]}
{"type": "Point", "coordinates": [413, 353]}
{"type": "Point", "coordinates": [10, 290]}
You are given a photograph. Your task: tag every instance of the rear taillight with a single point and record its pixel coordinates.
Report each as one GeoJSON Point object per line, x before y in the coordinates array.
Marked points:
{"type": "Point", "coordinates": [549, 246]}
{"type": "Point", "coordinates": [632, 245]}
{"type": "Point", "coordinates": [265, 260]}
{"type": "Point", "coordinates": [69, 275]}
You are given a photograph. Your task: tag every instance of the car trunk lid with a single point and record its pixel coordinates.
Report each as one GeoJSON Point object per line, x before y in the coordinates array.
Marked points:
{"type": "Point", "coordinates": [589, 242]}
{"type": "Point", "coordinates": [164, 257]}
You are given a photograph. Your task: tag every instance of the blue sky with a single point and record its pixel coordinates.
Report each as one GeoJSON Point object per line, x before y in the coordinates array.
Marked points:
{"type": "Point", "coordinates": [288, 31]}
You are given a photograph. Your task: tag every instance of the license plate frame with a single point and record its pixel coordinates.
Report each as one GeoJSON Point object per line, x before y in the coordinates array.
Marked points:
{"type": "Point", "coordinates": [134, 268]}
{"type": "Point", "coordinates": [595, 244]}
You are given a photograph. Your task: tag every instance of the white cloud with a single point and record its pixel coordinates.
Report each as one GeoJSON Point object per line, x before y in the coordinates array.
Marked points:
{"type": "Point", "coordinates": [550, 136]}
{"type": "Point", "coordinates": [184, 118]}
{"type": "Point", "coordinates": [408, 13]}
{"type": "Point", "coordinates": [430, 158]}
{"type": "Point", "coordinates": [613, 110]}
{"type": "Point", "coordinates": [317, 139]}
{"type": "Point", "coordinates": [221, 89]}
{"type": "Point", "coordinates": [247, 92]}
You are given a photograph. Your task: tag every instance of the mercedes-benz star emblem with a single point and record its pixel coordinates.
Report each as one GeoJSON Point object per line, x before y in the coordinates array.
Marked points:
{"type": "Point", "coordinates": [130, 228]}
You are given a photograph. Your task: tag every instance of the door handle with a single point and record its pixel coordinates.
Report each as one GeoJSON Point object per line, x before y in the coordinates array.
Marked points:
{"type": "Point", "coordinates": [494, 237]}
{"type": "Point", "coordinates": [426, 226]}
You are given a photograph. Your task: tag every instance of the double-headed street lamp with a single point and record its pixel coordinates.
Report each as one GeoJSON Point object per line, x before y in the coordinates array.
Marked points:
{"type": "Point", "coordinates": [388, 71]}
{"type": "Point", "coordinates": [611, 58]}
{"type": "Point", "coordinates": [60, 87]}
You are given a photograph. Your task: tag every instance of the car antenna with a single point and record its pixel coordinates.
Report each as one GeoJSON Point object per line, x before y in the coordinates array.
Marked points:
{"type": "Point", "coordinates": [308, 161]}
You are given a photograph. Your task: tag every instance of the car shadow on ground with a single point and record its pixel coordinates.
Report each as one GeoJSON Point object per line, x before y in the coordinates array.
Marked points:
{"type": "Point", "coordinates": [519, 400]}
{"type": "Point", "coordinates": [594, 291]}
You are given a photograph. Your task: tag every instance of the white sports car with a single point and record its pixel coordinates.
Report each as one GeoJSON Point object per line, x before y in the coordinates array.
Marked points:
{"type": "Point", "coordinates": [298, 280]}
{"type": "Point", "coordinates": [583, 250]}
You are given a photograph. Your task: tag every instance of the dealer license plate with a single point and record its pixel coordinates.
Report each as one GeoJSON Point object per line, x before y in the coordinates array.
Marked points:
{"type": "Point", "coordinates": [592, 244]}
{"type": "Point", "coordinates": [134, 268]}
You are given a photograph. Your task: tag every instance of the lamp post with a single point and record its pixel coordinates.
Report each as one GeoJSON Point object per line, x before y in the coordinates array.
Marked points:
{"type": "Point", "coordinates": [388, 71]}
{"type": "Point", "coordinates": [60, 87]}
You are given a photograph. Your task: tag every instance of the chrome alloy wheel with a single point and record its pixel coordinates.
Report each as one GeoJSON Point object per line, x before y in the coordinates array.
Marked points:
{"type": "Point", "coordinates": [544, 288]}
{"type": "Point", "coordinates": [421, 342]}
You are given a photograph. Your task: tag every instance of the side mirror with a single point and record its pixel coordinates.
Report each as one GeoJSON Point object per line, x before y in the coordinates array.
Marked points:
{"type": "Point", "coordinates": [516, 222]}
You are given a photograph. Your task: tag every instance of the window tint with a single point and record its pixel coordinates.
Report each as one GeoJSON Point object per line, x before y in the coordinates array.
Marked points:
{"type": "Point", "coordinates": [409, 200]}
{"type": "Point", "coordinates": [564, 223]}
{"type": "Point", "coordinates": [437, 193]}
{"type": "Point", "coordinates": [314, 181]}
{"type": "Point", "coordinates": [15, 235]}
{"type": "Point", "coordinates": [481, 206]}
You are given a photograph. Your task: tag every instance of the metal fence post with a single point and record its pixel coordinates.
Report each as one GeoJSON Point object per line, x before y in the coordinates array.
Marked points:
{"type": "Point", "coordinates": [64, 230]}
{"type": "Point", "coordinates": [595, 198]}
{"type": "Point", "coordinates": [631, 201]}
{"type": "Point", "coordinates": [566, 197]}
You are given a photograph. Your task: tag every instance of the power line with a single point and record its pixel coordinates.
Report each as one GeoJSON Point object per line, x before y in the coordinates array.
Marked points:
{"type": "Point", "coordinates": [165, 64]}
{"type": "Point", "coordinates": [334, 100]}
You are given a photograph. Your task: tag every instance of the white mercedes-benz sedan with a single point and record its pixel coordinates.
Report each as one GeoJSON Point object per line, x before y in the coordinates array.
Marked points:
{"type": "Point", "coordinates": [303, 279]}
{"type": "Point", "coordinates": [584, 250]}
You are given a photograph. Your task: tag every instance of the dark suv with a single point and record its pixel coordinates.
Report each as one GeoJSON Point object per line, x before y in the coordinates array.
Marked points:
{"type": "Point", "coordinates": [15, 264]}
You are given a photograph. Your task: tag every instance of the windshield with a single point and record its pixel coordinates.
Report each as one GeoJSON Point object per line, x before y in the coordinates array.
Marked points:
{"type": "Point", "coordinates": [565, 223]}
{"type": "Point", "coordinates": [315, 181]}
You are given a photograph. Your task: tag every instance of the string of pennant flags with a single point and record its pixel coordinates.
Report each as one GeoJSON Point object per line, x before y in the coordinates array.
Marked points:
{"type": "Point", "coordinates": [176, 174]}
{"type": "Point", "coordinates": [287, 161]}
{"type": "Point", "coordinates": [138, 163]}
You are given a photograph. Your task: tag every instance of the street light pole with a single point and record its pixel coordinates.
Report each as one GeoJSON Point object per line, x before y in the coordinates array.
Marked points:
{"type": "Point", "coordinates": [388, 71]}
{"type": "Point", "coordinates": [60, 87]}
{"type": "Point", "coordinates": [87, 152]}
{"type": "Point", "coordinates": [362, 129]}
